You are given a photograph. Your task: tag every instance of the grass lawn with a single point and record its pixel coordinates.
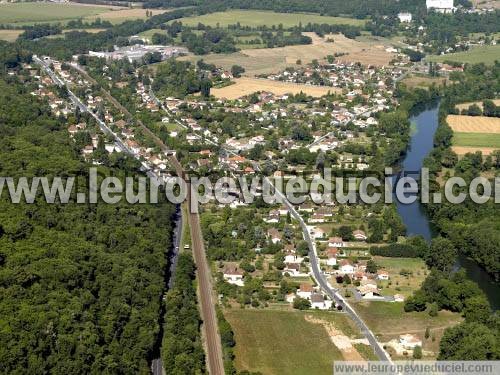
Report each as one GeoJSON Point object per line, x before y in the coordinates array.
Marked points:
{"type": "Point", "coordinates": [149, 33]}
{"type": "Point", "coordinates": [25, 13]}
{"type": "Point", "coordinates": [261, 18]}
{"type": "Point", "coordinates": [476, 140]}
{"type": "Point", "coordinates": [485, 54]}
{"type": "Point", "coordinates": [283, 342]}
{"type": "Point", "coordinates": [389, 320]}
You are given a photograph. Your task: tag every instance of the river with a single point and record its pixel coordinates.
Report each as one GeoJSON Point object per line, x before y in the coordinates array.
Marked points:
{"type": "Point", "coordinates": [414, 216]}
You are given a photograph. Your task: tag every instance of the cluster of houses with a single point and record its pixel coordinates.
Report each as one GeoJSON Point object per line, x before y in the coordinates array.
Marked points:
{"type": "Point", "coordinates": [313, 295]}
{"type": "Point", "coordinates": [339, 74]}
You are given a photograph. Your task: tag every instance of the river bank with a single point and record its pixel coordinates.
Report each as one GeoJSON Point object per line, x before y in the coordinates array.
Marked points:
{"type": "Point", "coordinates": [425, 123]}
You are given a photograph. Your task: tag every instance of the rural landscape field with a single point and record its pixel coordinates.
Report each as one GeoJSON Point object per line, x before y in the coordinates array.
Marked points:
{"type": "Point", "coordinates": [262, 18]}
{"type": "Point", "coordinates": [474, 133]}
{"type": "Point", "coordinates": [287, 140]}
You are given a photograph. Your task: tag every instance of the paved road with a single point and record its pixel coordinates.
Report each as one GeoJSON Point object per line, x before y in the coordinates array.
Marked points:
{"type": "Point", "coordinates": [208, 315]}
{"type": "Point", "coordinates": [328, 289]}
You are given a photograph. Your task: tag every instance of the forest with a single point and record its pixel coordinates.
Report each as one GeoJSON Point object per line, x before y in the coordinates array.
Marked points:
{"type": "Point", "coordinates": [81, 285]}
{"type": "Point", "coordinates": [182, 350]}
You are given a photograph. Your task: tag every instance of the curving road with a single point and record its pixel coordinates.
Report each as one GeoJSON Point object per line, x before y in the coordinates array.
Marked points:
{"type": "Point", "coordinates": [327, 288]}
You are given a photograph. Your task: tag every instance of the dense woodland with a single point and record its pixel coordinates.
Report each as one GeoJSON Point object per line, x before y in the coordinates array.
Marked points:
{"type": "Point", "coordinates": [81, 285]}
{"type": "Point", "coordinates": [182, 350]}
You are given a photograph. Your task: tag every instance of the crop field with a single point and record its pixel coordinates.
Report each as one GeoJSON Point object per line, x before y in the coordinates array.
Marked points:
{"type": "Point", "coordinates": [121, 15]}
{"type": "Point", "coordinates": [246, 86]}
{"type": "Point", "coordinates": [26, 13]}
{"type": "Point", "coordinates": [283, 342]}
{"type": "Point", "coordinates": [271, 60]}
{"type": "Point", "coordinates": [364, 52]}
{"type": "Point", "coordinates": [484, 54]}
{"type": "Point", "coordinates": [263, 18]}
{"type": "Point", "coordinates": [474, 133]}
{"type": "Point", "coordinates": [10, 35]}
{"type": "Point", "coordinates": [474, 124]}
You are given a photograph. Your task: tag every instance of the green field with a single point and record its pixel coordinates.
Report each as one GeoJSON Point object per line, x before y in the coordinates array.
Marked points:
{"type": "Point", "coordinates": [283, 342]}
{"type": "Point", "coordinates": [26, 13]}
{"type": "Point", "coordinates": [476, 140]}
{"type": "Point", "coordinates": [484, 54]}
{"type": "Point", "coordinates": [261, 18]}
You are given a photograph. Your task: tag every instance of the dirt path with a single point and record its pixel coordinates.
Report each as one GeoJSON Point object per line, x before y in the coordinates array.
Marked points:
{"type": "Point", "coordinates": [341, 341]}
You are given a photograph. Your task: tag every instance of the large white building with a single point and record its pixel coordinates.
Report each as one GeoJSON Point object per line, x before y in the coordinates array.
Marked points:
{"type": "Point", "coordinates": [442, 6]}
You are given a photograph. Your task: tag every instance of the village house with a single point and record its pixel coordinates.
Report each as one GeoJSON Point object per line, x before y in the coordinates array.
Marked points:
{"type": "Point", "coordinates": [305, 291]}
{"type": "Point", "coordinates": [409, 341]}
{"type": "Point", "coordinates": [274, 235]}
{"type": "Point", "coordinates": [233, 275]}
{"type": "Point", "coordinates": [317, 233]}
{"type": "Point", "coordinates": [319, 302]}
{"type": "Point", "coordinates": [293, 269]}
{"type": "Point", "coordinates": [368, 291]}
{"type": "Point", "coordinates": [331, 253]}
{"type": "Point", "coordinates": [382, 275]}
{"type": "Point", "coordinates": [346, 267]}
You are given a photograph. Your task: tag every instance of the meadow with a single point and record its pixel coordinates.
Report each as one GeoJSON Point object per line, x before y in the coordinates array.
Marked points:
{"type": "Point", "coordinates": [283, 342]}
{"type": "Point", "coordinates": [39, 12]}
{"type": "Point", "coordinates": [28, 13]}
{"type": "Point", "coordinates": [263, 18]}
{"type": "Point", "coordinates": [489, 140]}
{"type": "Point", "coordinates": [482, 54]}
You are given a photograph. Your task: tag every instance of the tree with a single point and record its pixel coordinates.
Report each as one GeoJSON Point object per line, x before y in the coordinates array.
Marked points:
{"type": "Point", "coordinates": [237, 71]}
{"type": "Point", "coordinates": [427, 333]}
{"type": "Point", "coordinates": [477, 309]}
{"type": "Point", "coordinates": [205, 87]}
{"type": "Point", "coordinates": [417, 352]}
{"type": "Point", "coordinates": [474, 110]}
{"type": "Point", "coordinates": [442, 254]}
{"type": "Point", "coordinates": [371, 266]}
{"type": "Point", "coordinates": [301, 303]}
{"type": "Point", "coordinates": [469, 342]}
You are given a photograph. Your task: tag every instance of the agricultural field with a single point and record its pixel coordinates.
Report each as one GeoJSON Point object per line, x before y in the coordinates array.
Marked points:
{"type": "Point", "coordinates": [121, 15]}
{"type": "Point", "coordinates": [474, 133]}
{"type": "Point", "coordinates": [29, 13]}
{"type": "Point", "coordinates": [286, 342]}
{"type": "Point", "coordinates": [474, 124]}
{"type": "Point", "coordinates": [364, 52]}
{"type": "Point", "coordinates": [263, 18]}
{"type": "Point", "coordinates": [482, 54]}
{"type": "Point", "coordinates": [389, 320]}
{"type": "Point", "coordinates": [271, 60]}
{"type": "Point", "coordinates": [10, 35]}
{"type": "Point", "coordinates": [246, 86]}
